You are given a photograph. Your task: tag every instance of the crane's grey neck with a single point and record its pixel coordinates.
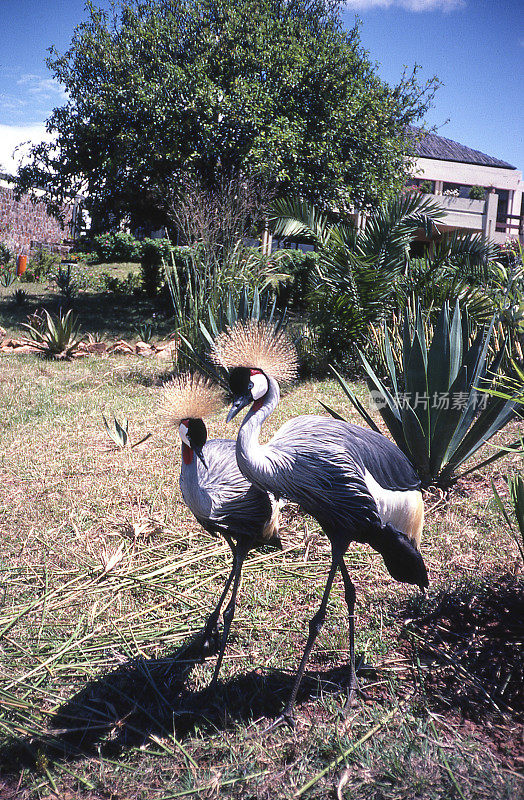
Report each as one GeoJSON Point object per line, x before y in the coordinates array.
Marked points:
{"type": "Point", "coordinates": [249, 452]}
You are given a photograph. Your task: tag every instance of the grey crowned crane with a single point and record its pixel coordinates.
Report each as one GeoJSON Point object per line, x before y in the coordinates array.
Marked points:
{"type": "Point", "coordinates": [222, 500]}
{"type": "Point", "coordinates": [355, 482]}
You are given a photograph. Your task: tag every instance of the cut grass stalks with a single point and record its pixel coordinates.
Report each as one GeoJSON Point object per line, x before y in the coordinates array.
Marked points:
{"type": "Point", "coordinates": [371, 732]}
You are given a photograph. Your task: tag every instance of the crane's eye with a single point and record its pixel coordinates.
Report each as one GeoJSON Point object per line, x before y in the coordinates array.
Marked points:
{"type": "Point", "coordinates": [258, 386]}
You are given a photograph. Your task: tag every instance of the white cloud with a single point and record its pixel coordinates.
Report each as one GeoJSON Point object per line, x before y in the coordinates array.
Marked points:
{"type": "Point", "coordinates": [43, 88]}
{"type": "Point", "coordinates": [13, 135]}
{"type": "Point", "coordinates": [408, 5]}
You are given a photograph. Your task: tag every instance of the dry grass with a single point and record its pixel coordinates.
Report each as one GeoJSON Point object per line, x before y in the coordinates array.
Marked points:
{"type": "Point", "coordinates": [105, 576]}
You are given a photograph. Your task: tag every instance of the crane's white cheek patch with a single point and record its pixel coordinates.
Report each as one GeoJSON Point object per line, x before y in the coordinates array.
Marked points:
{"type": "Point", "coordinates": [403, 510]}
{"type": "Point", "coordinates": [182, 429]}
{"type": "Point", "coordinates": [260, 386]}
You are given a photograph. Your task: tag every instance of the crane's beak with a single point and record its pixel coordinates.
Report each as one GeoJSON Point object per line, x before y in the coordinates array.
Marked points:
{"type": "Point", "coordinates": [198, 451]}
{"type": "Point", "coordinates": [238, 405]}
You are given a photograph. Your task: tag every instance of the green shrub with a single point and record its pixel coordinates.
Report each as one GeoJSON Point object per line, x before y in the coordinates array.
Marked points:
{"type": "Point", "coordinates": [42, 266]}
{"type": "Point", "coordinates": [426, 187]}
{"type": "Point", "coordinates": [300, 266]}
{"type": "Point", "coordinates": [130, 285]}
{"type": "Point", "coordinates": [6, 256]}
{"type": "Point", "coordinates": [477, 193]}
{"type": "Point", "coordinates": [155, 252]}
{"type": "Point", "coordinates": [117, 246]}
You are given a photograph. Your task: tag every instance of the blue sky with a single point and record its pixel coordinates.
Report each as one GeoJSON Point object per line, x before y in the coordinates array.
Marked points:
{"type": "Point", "coordinates": [476, 48]}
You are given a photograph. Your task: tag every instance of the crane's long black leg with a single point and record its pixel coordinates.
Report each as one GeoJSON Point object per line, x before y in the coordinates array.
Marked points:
{"type": "Point", "coordinates": [349, 594]}
{"type": "Point", "coordinates": [240, 553]}
{"type": "Point", "coordinates": [315, 626]}
{"type": "Point", "coordinates": [210, 628]}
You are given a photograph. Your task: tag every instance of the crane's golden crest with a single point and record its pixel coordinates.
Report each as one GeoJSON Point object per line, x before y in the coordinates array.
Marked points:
{"type": "Point", "coordinates": [257, 345]}
{"type": "Point", "coordinates": [189, 396]}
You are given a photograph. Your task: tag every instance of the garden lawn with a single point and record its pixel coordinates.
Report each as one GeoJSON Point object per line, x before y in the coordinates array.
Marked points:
{"type": "Point", "coordinates": [105, 304]}
{"type": "Point", "coordinates": [105, 575]}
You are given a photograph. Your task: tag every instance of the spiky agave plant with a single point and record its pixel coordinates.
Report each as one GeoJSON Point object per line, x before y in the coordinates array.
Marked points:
{"type": "Point", "coordinates": [437, 411]}
{"type": "Point", "coordinates": [56, 337]}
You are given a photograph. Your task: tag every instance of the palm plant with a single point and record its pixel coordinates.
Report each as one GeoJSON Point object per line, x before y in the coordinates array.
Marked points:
{"type": "Point", "coordinates": [458, 266]}
{"type": "Point", "coordinates": [357, 272]}
{"type": "Point", "coordinates": [55, 337]}
{"type": "Point", "coordinates": [436, 410]}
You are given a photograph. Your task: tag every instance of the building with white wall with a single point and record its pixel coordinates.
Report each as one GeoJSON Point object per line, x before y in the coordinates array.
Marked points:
{"type": "Point", "coordinates": [449, 170]}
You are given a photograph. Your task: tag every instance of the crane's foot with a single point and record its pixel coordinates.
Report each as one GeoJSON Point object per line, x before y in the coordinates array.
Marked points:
{"type": "Point", "coordinates": [354, 692]}
{"type": "Point", "coordinates": [210, 641]}
{"type": "Point", "coordinates": [284, 719]}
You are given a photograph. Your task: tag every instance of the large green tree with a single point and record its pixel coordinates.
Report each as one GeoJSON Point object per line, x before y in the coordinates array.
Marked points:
{"type": "Point", "coordinates": [221, 89]}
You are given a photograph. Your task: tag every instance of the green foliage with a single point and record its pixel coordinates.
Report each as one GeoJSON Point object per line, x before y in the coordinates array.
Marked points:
{"type": "Point", "coordinates": [457, 266]}
{"type": "Point", "coordinates": [116, 246]}
{"type": "Point", "coordinates": [291, 278]}
{"type": "Point", "coordinates": [435, 410]}
{"type": "Point", "coordinates": [6, 256]}
{"type": "Point", "coordinates": [357, 273]}
{"type": "Point", "coordinates": [66, 284]}
{"type": "Point", "coordinates": [221, 88]}
{"type": "Point", "coordinates": [154, 253]}
{"type": "Point", "coordinates": [198, 289]}
{"type": "Point", "coordinates": [426, 187]}
{"type": "Point", "coordinates": [233, 307]}
{"type": "Point", "coordinates": [145, 331]}
{"type": "Point", "coordinates": [129, 285]}
{"type": "Point", "coordinates": [41, 266]}
{"type": "Point", "coordinates": [477, 193]}
{"type": "Point", "coordinates": [118, 432]}
{"type": "Point", "coordinates": [7, 275]}
{"type": "Point", "coordinates": [7, 266]}
{"type": "Point", "coordinates": [56, 337]}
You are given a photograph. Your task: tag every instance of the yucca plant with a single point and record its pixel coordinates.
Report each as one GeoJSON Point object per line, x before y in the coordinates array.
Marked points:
{"type": "Point", "coordinates": [66, 285]}
{"type": "Point", "coordinates": [437, 410]}
{"type": "Point", "coordinates": [55, 337]}
{"type": "Point", "coordinates": [200, 286]}
{"type": "Point", "coordinates": [260, 306]}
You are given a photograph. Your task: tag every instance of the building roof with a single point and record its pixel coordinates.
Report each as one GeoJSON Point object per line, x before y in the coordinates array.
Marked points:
{"type": "Point", "coordinates": [433, 146]}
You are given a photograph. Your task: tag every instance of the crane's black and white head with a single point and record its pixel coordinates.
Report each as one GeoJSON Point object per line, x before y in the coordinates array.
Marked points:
{"type": "Point", "coordinates": [248, 385]}
{"type": "Point", "coordinates": [185, 400]}
{"type": "Point", "coordinates": [193, 433]}
{"type": "Point", "coordinates": [253, 352]}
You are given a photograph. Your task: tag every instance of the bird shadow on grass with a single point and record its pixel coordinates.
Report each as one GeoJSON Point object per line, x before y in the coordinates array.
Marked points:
{"type": "Point", "coordinates": [146, 698]}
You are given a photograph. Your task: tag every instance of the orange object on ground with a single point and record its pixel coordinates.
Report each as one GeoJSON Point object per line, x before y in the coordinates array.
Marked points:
{"type": "Point", "coordinates": [21, 265]}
